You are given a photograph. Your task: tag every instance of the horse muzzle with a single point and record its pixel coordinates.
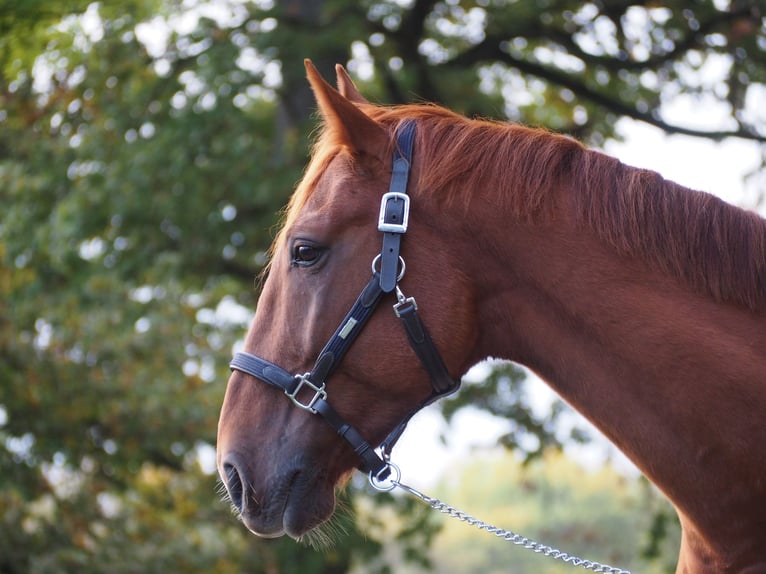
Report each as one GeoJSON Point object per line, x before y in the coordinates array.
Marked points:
{"type": "Point", "coordinates": [297, 499]}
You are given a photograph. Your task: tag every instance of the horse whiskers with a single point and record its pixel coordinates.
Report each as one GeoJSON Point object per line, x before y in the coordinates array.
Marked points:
{"type": "Point", "coordinates": [225, 497]}
{"type": "Point", "coordinates": [220, 489]}
{"type": "Point", "coordinates": [324, 536]}
{"type": "Point", "coordinates": [251, 495]}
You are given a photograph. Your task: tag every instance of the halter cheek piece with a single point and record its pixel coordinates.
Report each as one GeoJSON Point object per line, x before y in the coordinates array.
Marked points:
{"type": "Point", "coordinates": [309, 391]}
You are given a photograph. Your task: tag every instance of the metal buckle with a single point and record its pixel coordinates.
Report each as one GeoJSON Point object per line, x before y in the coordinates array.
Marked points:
{"type": "Point", "coordinates": [394, 227]}
{"type": "Point", "coordinates": [403, 301]}
{"type": "Point", "coordinates": [319, 393]}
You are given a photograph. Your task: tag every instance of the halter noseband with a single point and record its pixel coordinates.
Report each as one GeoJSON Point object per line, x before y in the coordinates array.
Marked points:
{"type": "Point", "coordinates": [312, 386]}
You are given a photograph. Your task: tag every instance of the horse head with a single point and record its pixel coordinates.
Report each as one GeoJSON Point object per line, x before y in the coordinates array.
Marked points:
{"type": "Point", "coordinates": [281, 464]}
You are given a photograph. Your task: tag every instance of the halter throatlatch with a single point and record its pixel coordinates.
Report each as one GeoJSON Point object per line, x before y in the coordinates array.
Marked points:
{"type": "Point", "coordinates": [309, 391]}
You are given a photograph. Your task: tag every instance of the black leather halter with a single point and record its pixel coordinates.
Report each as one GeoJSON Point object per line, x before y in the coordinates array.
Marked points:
{"type": "Point", "coordinates": [309, 391]}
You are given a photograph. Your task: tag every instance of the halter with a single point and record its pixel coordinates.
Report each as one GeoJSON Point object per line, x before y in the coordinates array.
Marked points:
{"type": "Point", "coordinates": [312, 386]}
{"type": "Point", "coordinates": [309, 391]}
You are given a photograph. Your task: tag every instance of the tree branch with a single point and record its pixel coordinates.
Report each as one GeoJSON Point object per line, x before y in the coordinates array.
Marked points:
{"type": "Point", "coordinates": [692, 40]}
{"type": "Point", "coordinates": [408, 37]}
{"type": "Point", "coordinates": [486, 52]}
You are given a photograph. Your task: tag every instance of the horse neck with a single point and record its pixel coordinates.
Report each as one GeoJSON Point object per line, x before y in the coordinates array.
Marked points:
{"type": "Point", "coordinates": [673, 378]}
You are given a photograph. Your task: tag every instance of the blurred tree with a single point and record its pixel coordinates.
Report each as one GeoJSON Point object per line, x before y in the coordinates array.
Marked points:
{"type": "Point", "coordinates": [595, 514]}
{"type": "Point", "coordinates": [125, 171]}
{"type": "Point", "coordinates": [145, 148]}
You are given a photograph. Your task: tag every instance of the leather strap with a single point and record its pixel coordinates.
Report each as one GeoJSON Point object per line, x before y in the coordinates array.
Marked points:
{"type": "Point", "coordinates": [264, 370]}
{"type": "Point", "coordinates": [308, 391]}
{"type": "Point", "coordinates": [277, 377]}
{"type": "Point", "coordinates": [442, 383]}
{"type": "Point", "coordinates": [395, 207]}
{"type": "Point", "coordinates": [424, 348]}
{"type": "Point", "coordinates": [371, 462]}
{"type": "Point", "coordinates": [346, 333]}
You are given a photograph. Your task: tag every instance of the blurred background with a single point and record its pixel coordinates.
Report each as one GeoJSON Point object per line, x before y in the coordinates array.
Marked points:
{"type": "Point", "coordinates": [146, 148]}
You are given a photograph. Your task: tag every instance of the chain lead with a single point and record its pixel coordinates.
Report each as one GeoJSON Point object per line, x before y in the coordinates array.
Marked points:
{"type": "Point", "coordinates": [507, 535]}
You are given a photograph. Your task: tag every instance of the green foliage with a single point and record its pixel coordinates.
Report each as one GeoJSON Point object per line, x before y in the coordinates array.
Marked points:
{"type": "Point", "coordinates": [125, 264]}
{"type": "Point", "coordinates": [140, 183]}
{"type": "Point", "coordinates": [502, 392]}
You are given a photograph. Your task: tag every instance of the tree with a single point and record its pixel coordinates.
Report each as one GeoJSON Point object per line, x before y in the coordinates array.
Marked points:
{"type": "Point", "coordinates": [595, 514]}
{"type": "Point", "coordinates": [121, 268]}
{"type": "Point", "coordinates": [145, 150]}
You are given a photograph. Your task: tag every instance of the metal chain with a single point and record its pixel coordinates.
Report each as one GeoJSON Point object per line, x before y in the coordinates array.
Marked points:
{"type": "Point", "coordinates": [507, 535]}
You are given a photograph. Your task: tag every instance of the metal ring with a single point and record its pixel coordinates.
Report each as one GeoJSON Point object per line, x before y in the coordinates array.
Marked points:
{"type": "Point", "coordinates": [390, 482]}
{"type": "Point", "coordinates": [401, 262]}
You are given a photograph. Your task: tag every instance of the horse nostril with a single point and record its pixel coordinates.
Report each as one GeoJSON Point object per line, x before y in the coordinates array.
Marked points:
{"type": "Point", "coordinates": [234, 485]}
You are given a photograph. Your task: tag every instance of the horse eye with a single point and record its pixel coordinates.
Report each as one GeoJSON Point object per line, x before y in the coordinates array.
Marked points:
{"type": "Point", "coordinates": [305, 254]}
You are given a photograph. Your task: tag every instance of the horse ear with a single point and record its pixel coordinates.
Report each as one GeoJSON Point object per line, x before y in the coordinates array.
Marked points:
{"type": "Point", "coordinates": [346, 86]}
{"type": "Point", "coordinates": [352, 126]}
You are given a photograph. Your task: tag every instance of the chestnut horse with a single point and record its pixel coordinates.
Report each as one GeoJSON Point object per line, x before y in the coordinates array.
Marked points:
{"type": "Point", "coordinates": [641, 302]}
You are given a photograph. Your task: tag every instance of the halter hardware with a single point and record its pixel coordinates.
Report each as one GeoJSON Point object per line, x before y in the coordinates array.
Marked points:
{"type": "Point", "coordinates": [390, 480]}
{"type": "Point", "coordinates": [305, 381]}
{"type": "Point", "coordinates": [403, 302]}
{"type": "Point", "coordinates": [402, 266]}
{"type": "Point", "coordinates": [384, 223]}
{"type": "Point", "coordinates": [387, 270]}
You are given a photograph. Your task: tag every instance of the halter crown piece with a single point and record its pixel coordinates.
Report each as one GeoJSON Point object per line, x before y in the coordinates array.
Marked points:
{"type": "Point", "coordinates": [309, 391]}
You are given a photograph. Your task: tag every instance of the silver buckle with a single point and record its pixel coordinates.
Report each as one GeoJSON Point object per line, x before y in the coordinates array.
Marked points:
{"type": "Point", "coordinates": [319, 393]}
{"type": "Point", "coordinates": [403, 301]}
{"type": "Point", "coordinates": [394, 227]}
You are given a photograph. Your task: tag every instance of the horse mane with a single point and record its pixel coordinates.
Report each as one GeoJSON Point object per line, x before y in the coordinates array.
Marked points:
{"type": "Point", "coordinates": [715, 248]}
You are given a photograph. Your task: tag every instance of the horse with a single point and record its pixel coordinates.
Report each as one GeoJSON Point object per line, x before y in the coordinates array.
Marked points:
{"type": "Point", "coordinates": [640, 302]}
